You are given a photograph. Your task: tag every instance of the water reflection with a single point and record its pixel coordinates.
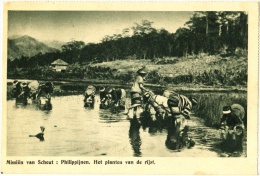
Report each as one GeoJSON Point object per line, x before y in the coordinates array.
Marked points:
{"type": "Point", "coordinates": [103, 133]}
{"type": "Point", "coordinates": [39, 135]}
{"type": "Point", "coordinates": [134, 136]}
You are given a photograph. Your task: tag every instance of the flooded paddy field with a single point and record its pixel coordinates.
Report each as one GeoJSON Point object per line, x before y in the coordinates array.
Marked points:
{"type": "Point", "coordinates": [72, 130]}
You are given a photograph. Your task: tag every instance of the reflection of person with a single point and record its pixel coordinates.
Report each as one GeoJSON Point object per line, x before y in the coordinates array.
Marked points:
{"type": "Point", "coordinates": [134, 136]}
{"type": "Point", "coordinates": [137, 90]}
{"type": "Point", "coordinates": [177, 139]}
{"type": "Point", "coordinates": [39, 135]}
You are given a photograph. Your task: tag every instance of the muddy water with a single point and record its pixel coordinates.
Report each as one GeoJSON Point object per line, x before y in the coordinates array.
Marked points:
{"type": "Point", "coordinates": [72, 130]}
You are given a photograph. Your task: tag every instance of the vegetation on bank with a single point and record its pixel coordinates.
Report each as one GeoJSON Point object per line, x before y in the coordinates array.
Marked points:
{"type": "Point", "coordinates": [209, 70]}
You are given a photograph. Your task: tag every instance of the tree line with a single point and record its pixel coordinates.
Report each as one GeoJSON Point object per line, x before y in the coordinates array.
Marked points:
{"type": "Point", "coordinates": [205, 32]}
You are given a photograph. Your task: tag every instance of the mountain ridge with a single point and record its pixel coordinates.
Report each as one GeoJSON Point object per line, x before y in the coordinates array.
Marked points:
{"type": "Point", "coordinates": [27, 46]}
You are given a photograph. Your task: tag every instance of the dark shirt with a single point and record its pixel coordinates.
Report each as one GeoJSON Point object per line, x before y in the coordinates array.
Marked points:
{"type": "Point", "coordinates": [17, 89]}
{"type": "Point", "coordinates": [43, 89]}
{"type": "Point", "coordinates": [116, 95]}
{"type": "Point", "coordinates": [26, 90]}
{"type": "Point", "coordinates": [102, 95]}
{"type": "Point", "coordinates": [230, 119]}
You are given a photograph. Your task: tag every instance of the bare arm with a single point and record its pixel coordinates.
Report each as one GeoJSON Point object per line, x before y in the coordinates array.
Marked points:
{"type": "Point", "coordinates": [143, 88]}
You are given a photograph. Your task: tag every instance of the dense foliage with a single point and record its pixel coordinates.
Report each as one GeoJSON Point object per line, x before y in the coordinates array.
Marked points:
{"type": "Point", "coordinates": [213, 33]}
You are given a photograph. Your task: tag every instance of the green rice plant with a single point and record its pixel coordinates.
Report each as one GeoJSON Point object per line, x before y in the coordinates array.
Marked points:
{"type": "Point", "coordinates": [210, 105]}
{"type": "Point", "coordinates": [73, 87]}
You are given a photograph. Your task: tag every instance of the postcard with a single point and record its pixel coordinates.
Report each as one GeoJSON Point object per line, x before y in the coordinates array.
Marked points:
{"type": "Point", "coordinates": [130, 88]}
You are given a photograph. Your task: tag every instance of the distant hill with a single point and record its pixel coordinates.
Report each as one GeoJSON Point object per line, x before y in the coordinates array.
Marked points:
{"type": "Point", "coordinates": [54, 44]}
{"type": "Point", "coordinates": [19, 46]}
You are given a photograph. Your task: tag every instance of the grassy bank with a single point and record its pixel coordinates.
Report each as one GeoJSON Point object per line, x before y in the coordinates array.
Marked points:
{"type": "Point", "coordinates": [204, 70]}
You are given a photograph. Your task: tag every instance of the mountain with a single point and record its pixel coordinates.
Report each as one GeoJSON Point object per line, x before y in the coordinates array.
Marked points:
{"type": "Point", "coordinates": [19, 46]}
{"type": "Point", "coordinates": [54, 43]}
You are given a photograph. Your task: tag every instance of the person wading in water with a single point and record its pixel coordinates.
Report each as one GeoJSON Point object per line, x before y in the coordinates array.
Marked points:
{"type": "Point", "coordinates": [137, 90]}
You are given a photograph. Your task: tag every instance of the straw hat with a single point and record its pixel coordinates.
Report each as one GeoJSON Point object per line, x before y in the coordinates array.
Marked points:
{"type": "Point", "coordinates": [15, 82]}
{"type": "Point", "coordinates": [102, 89]}
{"type": "Point", "coordinates": [142, 71]}
{"type": "Point", "coordinates": [24, 84]}
{"type": "Point", "coordinates": [226, 110]}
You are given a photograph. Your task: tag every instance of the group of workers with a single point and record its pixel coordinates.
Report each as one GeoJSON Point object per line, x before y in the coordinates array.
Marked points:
{"type": "Point", "coordinates": [168, 105]}
{"type": "Point", "coordinates": [31, 90]}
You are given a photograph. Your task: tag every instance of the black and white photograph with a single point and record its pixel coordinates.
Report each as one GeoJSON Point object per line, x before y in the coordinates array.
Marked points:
{"type": "Point", "coordinates": [126, 83]}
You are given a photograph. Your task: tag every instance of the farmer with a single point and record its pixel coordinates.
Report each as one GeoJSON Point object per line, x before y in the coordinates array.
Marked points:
{"type": "Point", "coordinates": [116, 96]}
{"type": "Point", "coordinates": [102, 93]}
{"type": "Point", "coordinates": [156, 105]}
{"type": "Point", "coordinates": [45, 89]}
{"type": "Point", "coordinates": [180, 104]}
{"type": "Point", "coordinates": [24, 90]}
{"type": "Point", "coordinates": [16, 88]}
{"type": "Point", "coordinates": [232, 128]}
{"type": "Point", "coordinates": [233, 116]}
{"type": "Point", "coordinates": [137, 90]}
{"type": "Point", "coordinates": [33, 86]}
{"type": "Point", "coordinates": [89, 92]}
{"type": "Point", "coordinates": [89, 96]}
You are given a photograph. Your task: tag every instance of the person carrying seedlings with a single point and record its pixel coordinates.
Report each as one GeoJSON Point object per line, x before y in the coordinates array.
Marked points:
{"type": "Point", "coordinates": [137, 90]}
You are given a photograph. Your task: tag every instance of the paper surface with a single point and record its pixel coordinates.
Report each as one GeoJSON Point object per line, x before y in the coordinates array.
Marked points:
{"type": "Point", "coordinates": [63, 164]}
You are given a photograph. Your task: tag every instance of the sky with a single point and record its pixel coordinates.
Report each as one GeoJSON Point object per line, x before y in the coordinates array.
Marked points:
{"type": "Point", "coordinates": [87, 26]}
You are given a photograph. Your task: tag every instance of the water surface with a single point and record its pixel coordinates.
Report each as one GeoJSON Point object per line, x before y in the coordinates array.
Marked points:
{"type": "Point", "coordinates": [72, 130]}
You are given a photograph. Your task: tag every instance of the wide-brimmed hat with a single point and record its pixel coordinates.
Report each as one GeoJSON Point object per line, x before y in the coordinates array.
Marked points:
{"type": "Point", "coordinates": [15, 82]}
{"type": "Point", "coordinates": [109, 90]}
{"type": "Point", "coordinates": [102, 89]}
{"type": "Point", "coordinates": [142, 71]}
{"type": "Point", "coordinates": [24, 84]}
{"type": "Point", "coordinates": [226, 110]}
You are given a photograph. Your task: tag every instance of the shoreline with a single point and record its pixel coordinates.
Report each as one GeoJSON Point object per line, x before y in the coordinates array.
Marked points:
{"type": "Point", "coordinates": [117, 84]}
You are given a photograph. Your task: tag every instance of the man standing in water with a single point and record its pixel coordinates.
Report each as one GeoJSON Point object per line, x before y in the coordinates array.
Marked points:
{"type": "Point", "coordinates": [137, 90]}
